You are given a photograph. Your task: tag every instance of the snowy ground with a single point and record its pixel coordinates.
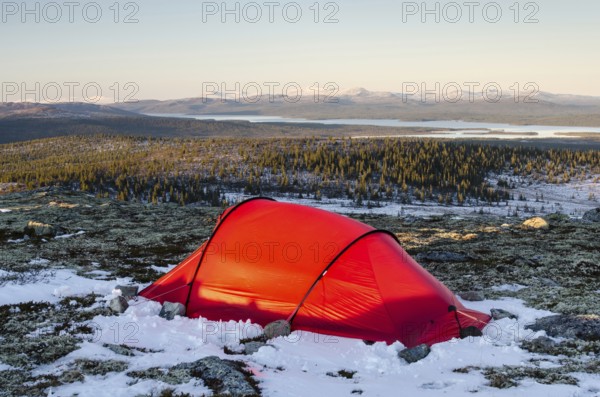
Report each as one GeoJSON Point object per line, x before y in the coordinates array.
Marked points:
{"type": "Point", "coordinates": [297, 365]}
{"type": "Point", "coordinates": [571, 198]}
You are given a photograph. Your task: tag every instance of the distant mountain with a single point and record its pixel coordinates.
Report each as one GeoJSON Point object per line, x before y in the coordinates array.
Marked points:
{"type": "Point", "coordinates": [542, 108]}
{"type": "Point", "coordinates": [76, 110]}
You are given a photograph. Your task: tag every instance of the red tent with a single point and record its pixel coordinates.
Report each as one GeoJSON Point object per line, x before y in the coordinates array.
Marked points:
{"type": "Point", "coordinates": [321, 271]}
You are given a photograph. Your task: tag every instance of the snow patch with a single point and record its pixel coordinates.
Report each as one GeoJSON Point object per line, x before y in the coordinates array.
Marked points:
{"type": "Point", "coordinates": [5, 367]}
{"type": "Point", "coordinates": [39, 261]}
{"type": "Point", "coordinates": [63, 236]}
{"type": "Point", "coordinates": [18, 241]}
{"type": "Point", "coordinates": [163, 269]}
{"type": "Point", "coordinates": [509, 287]}
{"type": "Point", "coordinates": [53, 287]}
{"type": "Point", "coordinates": [298, 365]}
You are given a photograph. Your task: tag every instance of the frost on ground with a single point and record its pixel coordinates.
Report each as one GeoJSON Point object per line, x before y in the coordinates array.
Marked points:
{"type": "Point", "coordinates": [67, 342]}
{"type": "Point", "coordinates": [528, 198]}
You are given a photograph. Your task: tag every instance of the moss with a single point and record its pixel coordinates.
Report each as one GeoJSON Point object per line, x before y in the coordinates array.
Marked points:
{"type": "Point", "coordinates": [98, 367]}
{"type": "Point", "coordinates": [28, 352]}
{"type": "Point", "coordinates": [508, 376]}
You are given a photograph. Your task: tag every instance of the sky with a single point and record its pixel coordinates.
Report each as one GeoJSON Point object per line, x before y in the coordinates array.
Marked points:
{"type": "Point", "coordinates": [159, 49]}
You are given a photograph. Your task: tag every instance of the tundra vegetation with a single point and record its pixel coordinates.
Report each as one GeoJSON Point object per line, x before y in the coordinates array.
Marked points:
{"type": "Point", "coordinates": [367, 171]}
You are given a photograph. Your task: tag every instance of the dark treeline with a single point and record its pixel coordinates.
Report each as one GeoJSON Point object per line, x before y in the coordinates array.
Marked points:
{"type": "Point", "coordinates": [187, 170]}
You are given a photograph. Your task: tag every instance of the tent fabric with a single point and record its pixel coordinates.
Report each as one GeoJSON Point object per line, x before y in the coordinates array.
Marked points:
{"type": "Point", "coordinates": [324, 272]}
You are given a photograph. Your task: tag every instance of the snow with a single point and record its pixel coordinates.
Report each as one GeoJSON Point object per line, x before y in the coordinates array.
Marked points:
{"type": "Point", "coordinates": [162, 269]}
{"type": "Point", "coordinates": [63, 236]}
{"type": "Point", "coordinates": [39, 261]}
{"type": "Point", "coordinates": [570, 198]}
{"type": "Point", "coordinates": [509, 287]}
{"type": "Point", "coordinates": [4, 367]}
{"type": "Point", "coordinates": [18, 241]}
{"type": "Point", "coordinates": [297, 365]}
{"type": "Point", "coordinates": [52, 286]}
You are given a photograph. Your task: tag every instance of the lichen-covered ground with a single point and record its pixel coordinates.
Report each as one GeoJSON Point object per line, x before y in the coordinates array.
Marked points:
{"type": "Point", "coordinates": [551, 271]}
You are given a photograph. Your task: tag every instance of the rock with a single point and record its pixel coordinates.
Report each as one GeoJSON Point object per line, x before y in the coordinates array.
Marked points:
{"type": "Point", "coordinates": [592, 215]}
{"type": "Point", "coordinates": [415, 354]}
{"type": "Point", "coordinates": [536, 223]}
{"type": "Point", "coordinates": [548, 282]}
{"type": "Point", "coordinates": [541, 344]}
{"type": "Point", "coordinates": [277, 328]}
{"type": "Point", "coordinates": [128, 290]}
{"type": "Point", "coordinates": [224, 377]}
{"type": "Point", "coordinates": [499, 314]}
{"type": "Point", "coordinates": [472, 296]}
{"type": "Point", "coordinates": [118, 304]}
{"type": "Point", "coordinates": [170, 310]}
{"type": "Point", "coordinates": [443, 256]}
{"type": "Point", "coordinates": [252, 347]}
{"type": "Point", "coordinates": [470, 331]}
{"type": "Point", "coordinates": [586, 327]}
{"type": "Point", "coordinates": [39, 229]}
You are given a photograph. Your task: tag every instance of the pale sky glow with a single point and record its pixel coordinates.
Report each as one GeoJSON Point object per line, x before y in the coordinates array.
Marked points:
{"type": "Point", "coordinates": [170, 52]}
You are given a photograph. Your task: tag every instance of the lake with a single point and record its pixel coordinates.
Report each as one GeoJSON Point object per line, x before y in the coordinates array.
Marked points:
{"type": "Point", "coordinates": [456, 128]}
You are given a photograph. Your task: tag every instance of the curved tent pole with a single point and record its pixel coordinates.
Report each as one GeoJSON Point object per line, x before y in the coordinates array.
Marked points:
{"type": "Point", "coordinates": [290, 319]}
{"type": "Point", "coordinates": [214, 233]}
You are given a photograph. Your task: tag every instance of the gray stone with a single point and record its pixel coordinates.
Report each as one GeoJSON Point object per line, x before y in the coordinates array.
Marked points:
{"type": "Point", "coordinates": [170, 310]}
{"type": "Point", "coordinates": [536, 223]}
{"type": "Point", "coordinates": [592, 215]}
{"type": "Point", "coordinates": [586, 327]}
{"type": "Point", "coordinates": [39, 229]}
{"type": "Point", "coordinates": [499, 314]}
{"type": "Point", "coordinates": [415, 354]}
{"type": "Point", "coordinates": [118, 304]}
{"type": "Point", "coordinates": [469, 332]}
{"type": "Point", "coordinates": [548, 282]}
{"type": "Point", "coordinates": [224, 377]}
{"type": "Point", "coordinates": [128, 290]}
{"type": "Point", "coordinates": [472, 296]}
{"type": "Point", "coordinates": [542, 344]}
{"type": "Point", "coordinates": [277, 328]}
{"type": "Point", "coordinates": [252, 347]}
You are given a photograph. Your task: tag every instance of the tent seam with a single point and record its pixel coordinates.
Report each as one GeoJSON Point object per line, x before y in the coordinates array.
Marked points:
{"type": "Point", "coordinates": [290, 319]}
{"type": "Point", "coordinates": [214, 233]}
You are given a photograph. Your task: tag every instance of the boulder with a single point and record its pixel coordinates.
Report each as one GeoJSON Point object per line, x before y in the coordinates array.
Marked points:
{"type": "Point", "coordinates": [415, 354]}
{"type": "Point", "coordinates": [252, 347]}
{"type": "Point", "coordinates": [536, 223]}
{"type": "Point", "coordinates": [277, 328]}
{"type": "Point", "coordinates": [541, 344]}
{"type": "Point", "coordinates": [128, 290]}
{"type": "Point", "coordinates": [224, 377]}
{"type": "Point", "coordinates": [118, 304]}
{"type": "Point", "coordinates": [499, 314]}
{"type": "Point", "coordinates": [472, 296]}
{"type": "Point", "coordinates": [470, 331]}
{"type": "Point", "coordinates": [169, 310]}
{"type": "Point", "coordinates": [592, 215]}
{"type": "Point", "coordinates": [586, 327]}
{"type": "Point", "coordinates": [39, 229]}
